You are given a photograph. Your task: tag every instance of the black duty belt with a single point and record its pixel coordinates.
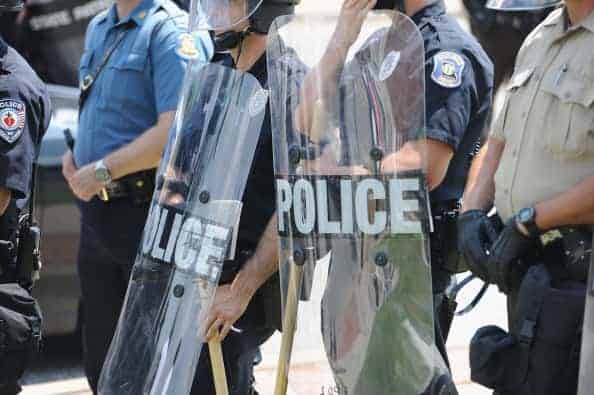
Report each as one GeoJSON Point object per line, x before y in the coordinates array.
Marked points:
{"type": "Point", "coordinates": [138, 186]}
{"type": "Point", "coordinates": [447, 209]}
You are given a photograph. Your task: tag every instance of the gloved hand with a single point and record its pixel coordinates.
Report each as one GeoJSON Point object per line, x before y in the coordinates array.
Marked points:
{"type": "Point", "coordinates": [510, 246]}
{"type": "Point", "coordinates": [476, 234]}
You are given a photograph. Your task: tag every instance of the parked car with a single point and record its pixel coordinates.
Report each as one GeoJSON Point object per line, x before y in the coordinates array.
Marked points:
{"type": "Point", "coordinates": [58, 289]}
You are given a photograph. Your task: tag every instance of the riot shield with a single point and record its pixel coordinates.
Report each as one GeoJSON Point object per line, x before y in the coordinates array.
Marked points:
{"type": "Point", "coordinates": [188, 234]}
{"type": "Point", "coordinates": [352, 205]}
{"type": "Point", "coordinates": [586, 379]}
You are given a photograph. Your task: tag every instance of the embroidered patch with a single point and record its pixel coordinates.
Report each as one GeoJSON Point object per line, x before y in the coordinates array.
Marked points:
{"type": "Point", "coordinates": [186, 48]}
{"type": "Point", "coordinates": [12, 119]}
{"type": "Point", "coordinates": [447, 69]}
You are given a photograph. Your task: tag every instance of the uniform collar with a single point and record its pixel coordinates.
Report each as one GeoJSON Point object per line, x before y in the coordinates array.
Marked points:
{"type": "Point", "coordinates": [436, 8]}
{"type": "Point", "coordinates": [559, 18]}
{"type": "Point", "coordinates": [138, 15]}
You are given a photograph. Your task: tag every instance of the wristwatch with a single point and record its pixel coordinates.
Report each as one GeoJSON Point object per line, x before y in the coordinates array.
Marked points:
{"type": "Point", "coordinates": [526, 222]}
{"type": "Point", "coordinates": [102, 173]}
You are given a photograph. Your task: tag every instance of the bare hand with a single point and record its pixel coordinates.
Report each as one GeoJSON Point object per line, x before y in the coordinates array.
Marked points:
{"type": "Point", "coordinates": [352, 16]}
{"type": "Point", "coordinates": [68, 166]}
{"type": "Point", "coordinates": [228, 306]}
{"type": "Point", "coordinates": [84, 184]}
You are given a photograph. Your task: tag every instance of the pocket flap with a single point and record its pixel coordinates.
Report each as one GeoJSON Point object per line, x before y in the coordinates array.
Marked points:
{"type": "Point", "coordinates": [570, 88]}
{"type": "Point", "coordinates": [520, 78]}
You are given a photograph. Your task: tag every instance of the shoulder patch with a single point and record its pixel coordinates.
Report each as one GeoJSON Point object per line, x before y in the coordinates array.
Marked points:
{"type": "Point", "coordinates": [186, 47]}
{"type": "Point", "coordinates": [12, 119]}
{"type": "Point", "coordinates": [447, 69]}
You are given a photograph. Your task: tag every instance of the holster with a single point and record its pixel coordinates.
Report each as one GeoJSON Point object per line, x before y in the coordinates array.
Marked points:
{"type": "Point", "coordinates": [540, 354]}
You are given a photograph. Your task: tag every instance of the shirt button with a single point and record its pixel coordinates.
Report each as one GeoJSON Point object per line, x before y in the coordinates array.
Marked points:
{"type": "Point", "coordinates": [506, 191]}
{"type": "Point", "coordinates": [514, 153]}
{"type": "Point", "coordinates": [591, 133]}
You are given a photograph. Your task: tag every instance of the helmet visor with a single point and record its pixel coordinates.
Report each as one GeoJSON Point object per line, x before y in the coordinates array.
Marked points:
{"type": "Point", "coordinates": [522, 5]}
{"type": "Point", "coordinates": [221, 14]}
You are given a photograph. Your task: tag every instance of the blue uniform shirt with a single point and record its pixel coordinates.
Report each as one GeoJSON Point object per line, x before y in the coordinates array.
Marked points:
{"type": "Point", "coordinates": [25, 112]}
{"type": "Point", "coordinates": [141, 79]}
{"type": "Point", "coordinates": [459, 93]}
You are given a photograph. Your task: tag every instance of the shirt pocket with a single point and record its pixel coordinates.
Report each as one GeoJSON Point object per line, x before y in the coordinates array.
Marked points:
{"type": "Point", "coordinates": [516, 94]}
{"type": "Point", "coordinates": [127, 80]}
{"type": "Point", "coordinates": [570, 118]}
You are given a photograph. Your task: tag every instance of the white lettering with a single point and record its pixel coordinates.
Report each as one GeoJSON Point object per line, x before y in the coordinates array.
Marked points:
{"type": "Point", "coordinates": [399, 205]}
{"type": "Point", "coordinates": [324, 223]}
{"type": "Point", "coordinates": [305, 206]}
{"type": "Point", "coordinates": [370, 189]}
{"type": "Point", "coordinates": [283, 202]}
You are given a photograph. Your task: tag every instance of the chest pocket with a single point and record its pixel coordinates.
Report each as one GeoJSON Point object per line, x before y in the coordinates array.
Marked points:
{"type": "Point", "coordinates": [571, 116]}
{"type": "Point", "coordinates": [128, 79]}
{"type": "Point", "coordinates": [517, 95]}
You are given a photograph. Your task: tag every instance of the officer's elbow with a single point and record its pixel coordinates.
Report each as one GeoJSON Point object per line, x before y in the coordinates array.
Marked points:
{"type": "Point", "coordinates": [439, 156]}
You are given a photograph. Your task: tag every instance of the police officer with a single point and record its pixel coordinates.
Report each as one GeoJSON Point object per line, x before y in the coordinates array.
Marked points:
{"type": "Point", "coordinates": [24, 117]}
{"type": "Point", "coordinates": [130, 74]}
{"type": "Point", "coordinates": [459, 89]}
{"type": "Point", "coordinates": [248, 298]}
{"type": "Point", "coordinates": [538, 169]}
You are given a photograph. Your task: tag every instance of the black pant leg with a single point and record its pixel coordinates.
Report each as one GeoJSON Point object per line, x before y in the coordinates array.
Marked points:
{"type": "Point", "coordinates": [103, 286]}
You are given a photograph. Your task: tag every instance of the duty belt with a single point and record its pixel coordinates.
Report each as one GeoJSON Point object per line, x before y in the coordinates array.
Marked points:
{"type": "Point", "coordinates": [138, 186]}
{"type": "Point", "coordinates": [572, 245]}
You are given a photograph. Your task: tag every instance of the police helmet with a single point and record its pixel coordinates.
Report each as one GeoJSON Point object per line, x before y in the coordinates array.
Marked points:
{"type": "Point", "coordinates": [11, 5]}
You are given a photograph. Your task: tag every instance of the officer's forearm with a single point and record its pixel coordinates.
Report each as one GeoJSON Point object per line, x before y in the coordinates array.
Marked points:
{"type": "Point", "coordinates": [320, 85]}
{"type": "Point", "coordinates": [573, 207]}
{"type": "Point", "coordinates": [263, 264]}
{"type": "Point", "coordinates": [5, 196]}
{"type": "Point", "coordinates": [144, 152]}
{"type": "Point", "coordinates": [480, 187]}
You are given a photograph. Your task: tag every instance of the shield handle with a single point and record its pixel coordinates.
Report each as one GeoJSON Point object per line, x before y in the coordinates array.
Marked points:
{"type": "Point", "coordinates": [218, 367]}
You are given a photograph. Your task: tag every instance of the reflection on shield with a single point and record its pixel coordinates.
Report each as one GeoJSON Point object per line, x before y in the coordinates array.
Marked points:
{"type": "Point", "coordinates": [352, 209]}
{"type": "Point", "coordinates": [188, 235]}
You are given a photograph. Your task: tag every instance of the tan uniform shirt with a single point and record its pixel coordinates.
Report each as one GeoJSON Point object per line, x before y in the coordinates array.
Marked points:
{"type": "Point", "coordinates": [547, 121]}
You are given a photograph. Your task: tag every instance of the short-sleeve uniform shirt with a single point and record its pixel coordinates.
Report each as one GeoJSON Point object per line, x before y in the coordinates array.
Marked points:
{"type": "Point", "coordinates": [547, 121]}
{"type": "Point", "coordinates": [25, 113]}
{"type": "Point", "coordinates": [458, 93]}
{"type": "Point", "coordinates": [141, 79]}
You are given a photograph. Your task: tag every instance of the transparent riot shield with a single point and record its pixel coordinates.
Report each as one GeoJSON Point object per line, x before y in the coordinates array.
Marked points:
{"type": "Point", "coordinates": [586, 378]}
{"type": "Point", "coordinates": [188, 235]}
{"type": "Point", "coordinates": [353, 216]}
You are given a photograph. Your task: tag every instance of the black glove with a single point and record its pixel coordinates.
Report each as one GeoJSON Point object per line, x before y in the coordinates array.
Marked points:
{"type": "Point", "coordinates": [476, 234]}
{"type": "Point", "coordinates": [510, 246]}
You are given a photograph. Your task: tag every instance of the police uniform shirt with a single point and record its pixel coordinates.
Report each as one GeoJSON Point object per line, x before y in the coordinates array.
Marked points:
{"type": "Point", "coordinates": [547, 121]}
{"type": "Point", "coordinates": [458, 93]}
{"type": "Point", "coordinates": [24, 117]}
{"type": "Point", "coordinates": [141, 79]}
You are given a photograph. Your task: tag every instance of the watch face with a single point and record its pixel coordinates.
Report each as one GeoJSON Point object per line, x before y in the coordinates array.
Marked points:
{"type": "Point", "coordinates": [526, 215]}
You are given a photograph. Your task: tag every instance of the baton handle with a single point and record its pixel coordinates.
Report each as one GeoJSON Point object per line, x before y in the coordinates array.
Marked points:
{"type": "Point", "coordinates": [218, 367]}
{"type": "Point", "coordinates": [289, 326]}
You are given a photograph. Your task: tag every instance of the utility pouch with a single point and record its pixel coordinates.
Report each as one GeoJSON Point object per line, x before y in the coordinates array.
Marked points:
{"type": "Point", "coordinates": [540, 355]}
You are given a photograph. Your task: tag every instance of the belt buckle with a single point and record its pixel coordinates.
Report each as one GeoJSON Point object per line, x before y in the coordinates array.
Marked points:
{"type": "Point", "coordinates": [103, 195]}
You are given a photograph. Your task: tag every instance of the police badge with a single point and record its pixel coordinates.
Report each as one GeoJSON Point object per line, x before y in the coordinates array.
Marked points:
{"type": "Point", "coordinates": [12, 120]}
{"type": "Point", "coordinates": [447, 69]}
